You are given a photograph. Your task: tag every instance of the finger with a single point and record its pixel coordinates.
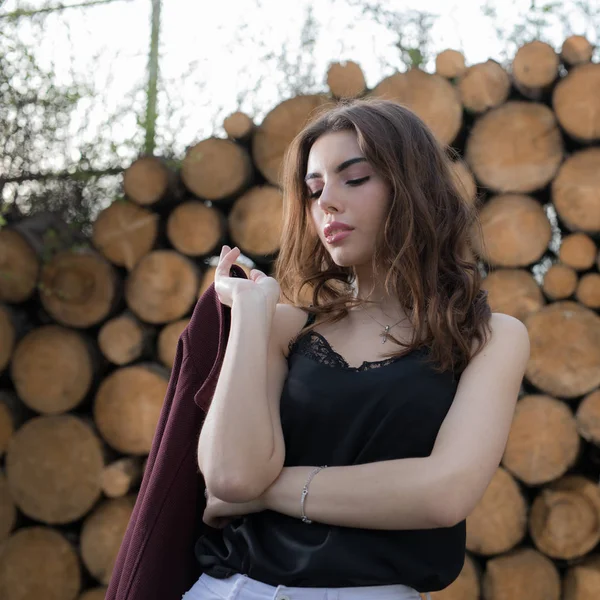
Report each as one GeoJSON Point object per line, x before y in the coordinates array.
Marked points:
{"type": "Point", "coordinates": [228, 254]}
{"type": "Point", "coordinates": [232, 255]}
{"type": "Point", "coordinates": [225, 261]}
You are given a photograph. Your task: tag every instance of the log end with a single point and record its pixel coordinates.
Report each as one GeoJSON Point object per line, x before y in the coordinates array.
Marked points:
{"type": "Point", "coordinates": [346, 79]}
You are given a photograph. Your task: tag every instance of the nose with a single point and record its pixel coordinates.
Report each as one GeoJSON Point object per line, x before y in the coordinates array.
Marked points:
{"type": "Point", "coordinates": [327, 202]}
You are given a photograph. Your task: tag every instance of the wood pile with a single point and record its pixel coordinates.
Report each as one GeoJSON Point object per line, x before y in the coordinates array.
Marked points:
{"type": "Point", "coordinates": [88, 328]}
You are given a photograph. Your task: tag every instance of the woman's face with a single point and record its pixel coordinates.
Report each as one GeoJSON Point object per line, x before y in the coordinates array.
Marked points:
{"type": "Point", "coordinates": [345, 188]}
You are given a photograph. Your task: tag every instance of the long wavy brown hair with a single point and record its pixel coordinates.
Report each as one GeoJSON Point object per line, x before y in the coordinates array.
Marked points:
{"type": "Point", "coordinates": [424, 252]}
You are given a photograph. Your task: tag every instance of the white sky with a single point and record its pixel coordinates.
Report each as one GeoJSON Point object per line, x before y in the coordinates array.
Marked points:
{"type": "Point", "coordinates": [108, 46]}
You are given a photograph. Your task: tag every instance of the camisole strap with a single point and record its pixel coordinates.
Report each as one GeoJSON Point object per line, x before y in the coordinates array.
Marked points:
{"type": "Point", "coordinates": [310, 320]}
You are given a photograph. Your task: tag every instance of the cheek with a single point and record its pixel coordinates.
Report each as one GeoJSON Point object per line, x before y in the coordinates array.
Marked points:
{"type": "Point", "coordinates": [313, 217]}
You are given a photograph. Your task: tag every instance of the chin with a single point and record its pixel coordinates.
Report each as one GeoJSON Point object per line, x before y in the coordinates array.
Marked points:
{"type": "Point", "coordinates": [344, 257]}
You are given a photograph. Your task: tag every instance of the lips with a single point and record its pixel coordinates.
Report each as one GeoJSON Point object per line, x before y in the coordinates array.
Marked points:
{"type": "Point", "coordinates": [335, 227]}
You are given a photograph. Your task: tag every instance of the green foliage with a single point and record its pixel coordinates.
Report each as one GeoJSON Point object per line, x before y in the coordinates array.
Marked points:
{"type": "Point", "coordinates": [49, 160]}
{"type": "Point", "coordinates": [412, 28]}
{"type": "Point", "coordinates": [540, 19]}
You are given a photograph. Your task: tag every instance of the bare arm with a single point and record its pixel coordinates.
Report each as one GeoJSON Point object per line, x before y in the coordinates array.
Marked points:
{"type": "Point", "coordinates": [435, 491]}
{"type": "Point", "coordinates": [241, 449]}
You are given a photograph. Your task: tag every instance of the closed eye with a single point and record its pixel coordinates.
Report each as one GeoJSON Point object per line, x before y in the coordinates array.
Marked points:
{"type": "Point", "coordinates": [353, 182]}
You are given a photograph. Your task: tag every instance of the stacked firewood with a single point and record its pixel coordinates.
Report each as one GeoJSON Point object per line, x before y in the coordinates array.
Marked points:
{"type": "Point", "coordinates": [88, 328]}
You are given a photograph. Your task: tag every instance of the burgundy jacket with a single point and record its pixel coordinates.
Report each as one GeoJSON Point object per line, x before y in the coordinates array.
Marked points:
{"type": "Point", "coordinates": [156, 559]}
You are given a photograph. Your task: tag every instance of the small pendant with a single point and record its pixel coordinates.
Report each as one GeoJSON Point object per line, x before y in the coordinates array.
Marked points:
{"type": "Point", "coordinates": [385, 334]}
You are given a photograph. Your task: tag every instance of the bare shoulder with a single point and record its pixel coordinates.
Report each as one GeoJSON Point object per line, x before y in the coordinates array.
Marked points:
{"type": "Point", "coordinates": [509, 336]}
{"type": "Point", "coordinates": [287, 323]}
{"type": "Point", "coordinates": [508, 327]}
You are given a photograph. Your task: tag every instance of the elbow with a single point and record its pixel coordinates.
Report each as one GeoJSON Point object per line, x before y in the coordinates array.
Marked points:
{"type": "Point", "coordinates": [246, 486]}
{"type": "Point", "coordinates": [446, 514]}
{"type": "Point", "coordinates": [448, 507]}
{"type": "Point", "coordinates": [234, 490]}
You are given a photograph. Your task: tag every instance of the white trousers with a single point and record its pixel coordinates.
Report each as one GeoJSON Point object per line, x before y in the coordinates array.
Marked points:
{"type": "Point", "coordinates": [242, 587]}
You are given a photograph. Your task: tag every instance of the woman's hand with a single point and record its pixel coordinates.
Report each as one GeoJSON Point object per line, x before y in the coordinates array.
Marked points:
{"type": "Point", "coordinates": [218, 513]}
{"type": "Point", "coordinates": [227, 287]}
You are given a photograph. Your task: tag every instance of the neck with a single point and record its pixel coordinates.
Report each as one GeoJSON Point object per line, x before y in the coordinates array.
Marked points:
{"type": "Point", "coordinates": [367, 287]}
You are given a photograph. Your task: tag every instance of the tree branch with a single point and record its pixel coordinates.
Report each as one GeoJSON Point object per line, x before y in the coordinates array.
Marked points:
{"type": "Point", "coordinates": [64, 175]}
{"type": "Point", "coordinates": [17, 14]}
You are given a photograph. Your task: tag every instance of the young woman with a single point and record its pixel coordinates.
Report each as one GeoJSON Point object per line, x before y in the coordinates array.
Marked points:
{"type": "Point", "coordinates": [350, 434]}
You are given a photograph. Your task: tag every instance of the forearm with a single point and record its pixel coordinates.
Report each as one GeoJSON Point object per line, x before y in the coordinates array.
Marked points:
{"type": "Point", "coordinates": [237, 435]}
{"type": "Point", "coordinates": [395, 494]}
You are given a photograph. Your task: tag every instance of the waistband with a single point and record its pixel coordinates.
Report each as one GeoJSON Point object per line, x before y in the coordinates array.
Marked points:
{"type": "Point", "coordinates": [242, 586]}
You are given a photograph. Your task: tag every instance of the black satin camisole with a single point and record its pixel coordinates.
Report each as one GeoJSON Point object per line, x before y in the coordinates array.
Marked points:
{"type": "Point", "coordinates": [334, 414]}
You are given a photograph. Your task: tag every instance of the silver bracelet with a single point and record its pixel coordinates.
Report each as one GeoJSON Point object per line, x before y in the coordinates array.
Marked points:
{"type": "Point", "coordinates": [305, 519]}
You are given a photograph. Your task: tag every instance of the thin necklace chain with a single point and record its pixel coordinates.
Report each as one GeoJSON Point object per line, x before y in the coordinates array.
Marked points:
{"type": "Point", "coordinates": [386, 328]}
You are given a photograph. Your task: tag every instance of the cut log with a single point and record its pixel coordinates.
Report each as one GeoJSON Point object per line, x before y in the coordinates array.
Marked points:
{"type": "Point", "coordinates": [238, 126]}
{"type": "Point", "coordinates": [516, 147]}
{"type": "Point", "coordinates": [124, 232]}
{"type": "Point", "coordinates": [127, 407]}
{"type": "Point", "coordinates": [588, 418]}
{"type": "Point", "coordinates": [578, 250]}
{"type": "Point", "coordinates": [543, 442]}
{"type": "Point", "coordinates": [560, 282]}
{"type": "Point", "coordinates": [79, 288]}
{"type": "Point", "coordinates": [38, 562]}
{"type": "Point", "coordinates": [8, 336]}
{"type": "Point", "coordinates": [484, 86]}
{"type": "Point", "coordinates": [195, 229]}
{"type": "Point", "coordinates": [464, 180]}
{"type": "Point", "coordinates": [582, 581]}
{"type": "Point", "coordinates": [256, 219]}
{"type": "Point", "coordinates": [499, 521]}
{"type": "Point", "coordinates": [565, 518]}
{"type": "Point", "coordinates": [167, 341]}
{"type": "Point", "coordinates": [346, 80]}
{"type": "Point", "coordinates": [121, 476]}
{"type": "Point", "coordinates": [576, 49]}
{"type": "Point", "coordinates": [565, 350]}
{"type": "Point", "coordinates": [124, 339]}
{"type": "Point", "coordinates": [535, 68]}
{"type": "Point", "coordinates": [450, 64]}
{"type": "Point", "coordinates": [102, 534]}
{"type": "Point", "coordinates": [52, 369]}
{"type": "Point", "coordinates": [215, 169]}
{"type": "Point", "coordinates": [576, 102]}
{"type": "Point", "coordinates": [98, 593]}
{"type": "Point", "coordinates": [464, 587]}
{"type": "Point", "coordinates": [208, 277]}
{"type": "Point", "coordinates": [576, 191]}
{"type": "Point", "coordinates": [8, 510]}
{"type": "Point", "coordinates": [53, 468]}
{"type": "Point", "coordinates": [432, 97]}
{"type": "Point", "coordinates": [516, 231]}
{"type": "Point", "coordinates": [588, 290]}
{"type": "Point", "coordinates": [162, 287]}
{"type": "Point", "coordinates": [513, 292]}
{"type": "Point", "coordinates": [521, 574]}
{"type": "Point", "coordinates": [279, 127]}
{"type": "Point", "coordinates": [147, 180]}
{"type": "Point", "coordinates": [19, 267]}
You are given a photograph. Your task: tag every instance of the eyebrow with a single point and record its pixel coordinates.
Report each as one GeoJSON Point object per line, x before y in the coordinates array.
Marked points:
{"type": "Point", "coordinates": [340, 167]}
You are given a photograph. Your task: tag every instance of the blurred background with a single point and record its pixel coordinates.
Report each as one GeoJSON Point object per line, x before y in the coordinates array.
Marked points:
{"type": "Point", "coordinates": [138, 136]}
{"type": "Point", "coordinates": [88, 86]}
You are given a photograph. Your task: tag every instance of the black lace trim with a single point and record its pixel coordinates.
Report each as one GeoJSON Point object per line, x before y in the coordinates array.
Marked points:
{"type": "Point", "coordinates": [316, 347]}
